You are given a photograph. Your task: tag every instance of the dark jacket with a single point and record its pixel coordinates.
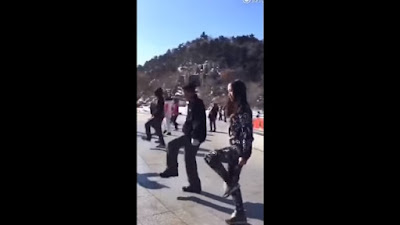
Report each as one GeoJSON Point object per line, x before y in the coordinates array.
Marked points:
{"type": "Point", "coordinates": [195, 124]}
{"type": "Point", "coordinates": [213, 113]}
{"type": "Point", "coordinates": [159, 109]}
{"type": "Point", "coordinates": [241, 131]}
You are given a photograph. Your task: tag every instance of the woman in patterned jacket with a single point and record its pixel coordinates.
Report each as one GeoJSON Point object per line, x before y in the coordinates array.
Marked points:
{"type": "Point", "coordinates": [239, 151]}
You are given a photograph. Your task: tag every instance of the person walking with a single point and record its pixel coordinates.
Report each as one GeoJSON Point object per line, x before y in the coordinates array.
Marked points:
{"type": "Point", "coordinates": [212, 115]}
{"type": "Point", "coordinates": [220, 113]}
{"type": "Point", "coordinates": [175, 113]}
{"type": "Point", "coordinates": [195, 132]}
{"type": "Point", "coordinates": [156, 119]}
{"type": "Point", "coordinates": [239, 151]}
{"type": "Point", "coordinates": [225, 113]}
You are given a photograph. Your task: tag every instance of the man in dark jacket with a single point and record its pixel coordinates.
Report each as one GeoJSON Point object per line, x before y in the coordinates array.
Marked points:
{"type": "Point", "coordinates": [156, 119]}
{"type": "Point", "coordinates": [212, 115]}
{"type": "Point", "coordinates": [194, 131]}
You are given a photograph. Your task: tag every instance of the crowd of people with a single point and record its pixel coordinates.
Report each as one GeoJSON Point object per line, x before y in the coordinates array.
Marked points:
{"type": "Point", "coordinates": [238, 151]}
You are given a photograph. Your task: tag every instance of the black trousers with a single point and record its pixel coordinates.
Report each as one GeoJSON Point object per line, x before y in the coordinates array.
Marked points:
{"type": "Point", "coordinates": [220, 116]}
{"type": "Point", "coordinates": [156, 124]}
{"type": "Point", "coordinates": [212, 124]}
{"type": "Point", "coordinates": [173, 120]}
{"type": "Point", "coordinates": [190, 158]}
{"type": "Point", "coordinates": [229, 155]}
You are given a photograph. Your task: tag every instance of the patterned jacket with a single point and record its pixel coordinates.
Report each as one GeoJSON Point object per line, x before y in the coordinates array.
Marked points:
{"type": "Point", "coordinates": [241, 132]}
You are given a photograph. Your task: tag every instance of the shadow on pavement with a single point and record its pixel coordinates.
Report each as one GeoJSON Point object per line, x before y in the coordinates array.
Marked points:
{"type": "Point", "coordinates": [253, 210]}
{"type": "Point", "coordinates": [218, 198]}
{"type": "Point", "coordinates": [140, 134]}
{"type": "Point", "coordinates": [259, 133]}
{"type": "Point", "coordinates": [204, 150]}
{"type": "Point", "coordinates": [171, 135]}
{"type": "Point", "coordinates": [250, 207]}
{"type": "Point", "coordinates": [155, 136]}
{"type": "Point", "coordinates": [143, 180]}
{"type": "Point", "coordinates": [219, 132]}
{"type": "Point", "coordinates": [206, 203]}
{"type": "Point", "coordinates": [181, 151]}
{"type": "Point", "coordinates": [159, 149]}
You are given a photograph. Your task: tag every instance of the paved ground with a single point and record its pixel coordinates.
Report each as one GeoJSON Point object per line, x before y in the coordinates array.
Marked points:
{"type": "Point", "coordinates": [162, 201]}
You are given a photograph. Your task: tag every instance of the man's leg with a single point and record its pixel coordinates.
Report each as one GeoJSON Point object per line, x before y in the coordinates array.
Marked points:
{"type": "Point", "coordinates": [174, 121]}
{"type": "Point", "coordinates": [172, 156]}
{"type": "Point", "coordinates": [215, 127]}
{"type": "Point", "coordinates": [157, 127]}
{"type": "Point", "coordinates": [168, 122]}
{"type": "Point", "coordinates": [147, 126]}
{"type": "Point", "coordinates": [210, 124]}
{"type": "Point", "coordinates": [163, 126]}
{"type": "Point", "coordinates": [191, 168]}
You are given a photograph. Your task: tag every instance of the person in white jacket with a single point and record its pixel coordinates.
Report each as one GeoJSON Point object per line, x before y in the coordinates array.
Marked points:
{"type": "Point", "coordinates": [168, 114]}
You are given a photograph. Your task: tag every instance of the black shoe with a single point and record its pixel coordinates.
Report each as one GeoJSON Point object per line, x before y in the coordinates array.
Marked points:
{"type": "Point", "coordinates": [191, 189]}
{"type": "Point", "coordinates": [145, 138]}
{"type": "Point", "coordinates": [229, 189]}
{"type": "Point", "coordinates": [237, 218]}
{"type": "Point", "coordinates": [210, 131]}
{"type": "Point", "coordinates": [169, 133]}
{"type": "Point", "coordinates": [169, 173]}
{"type": "Point", "coordinates": [160, 146]}
{"type": "Point", "coordinates": [165, 131]}
{"type": "Point", "coordinates": [157, 142]}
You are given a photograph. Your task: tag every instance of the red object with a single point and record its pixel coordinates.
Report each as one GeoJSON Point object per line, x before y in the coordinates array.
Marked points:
{"type": "Point", "coordinates": [258, 123]}
{"type": "Point", "coordinates": [175, 109]}
{"type": "Point", "coordinates": [166, 108]}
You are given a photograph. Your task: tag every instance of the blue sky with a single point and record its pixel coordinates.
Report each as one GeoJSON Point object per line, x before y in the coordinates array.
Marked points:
{"type": "Point", "coordinates": [164, 24]}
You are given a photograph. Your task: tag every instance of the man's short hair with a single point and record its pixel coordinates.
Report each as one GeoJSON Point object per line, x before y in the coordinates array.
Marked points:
{"type": "Point", "coordinates": [190, 87]}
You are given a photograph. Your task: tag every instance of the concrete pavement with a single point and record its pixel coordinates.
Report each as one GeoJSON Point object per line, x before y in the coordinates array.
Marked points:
{"type": "Point", "coordinates": [162, 201]}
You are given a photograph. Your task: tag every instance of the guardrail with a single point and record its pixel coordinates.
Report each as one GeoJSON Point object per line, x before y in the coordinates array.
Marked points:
{"type": "Point", "coordinates": [258, 123]}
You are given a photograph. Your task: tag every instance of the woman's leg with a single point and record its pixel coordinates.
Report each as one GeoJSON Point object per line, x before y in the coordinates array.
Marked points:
{"type": "Point", "coordinates": [213, 159]}
{"type": "Point", "coordinates": [234, 172]}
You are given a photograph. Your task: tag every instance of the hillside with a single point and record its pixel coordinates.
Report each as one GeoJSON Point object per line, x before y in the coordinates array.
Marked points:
{"type": "Point", "coordinates": [212, 62]}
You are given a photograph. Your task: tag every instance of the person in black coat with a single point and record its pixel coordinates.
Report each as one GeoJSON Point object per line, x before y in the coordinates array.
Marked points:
{"type": "Point", "coordinates": [212, 115]}
{"type": "Point", "coordinates": [195, 133]}
{"type": "Point", "coordinates": [156, 120]}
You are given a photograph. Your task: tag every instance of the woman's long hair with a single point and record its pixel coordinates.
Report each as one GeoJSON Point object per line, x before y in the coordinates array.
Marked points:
{"type": "Point", "coordinates": [239, 98]}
